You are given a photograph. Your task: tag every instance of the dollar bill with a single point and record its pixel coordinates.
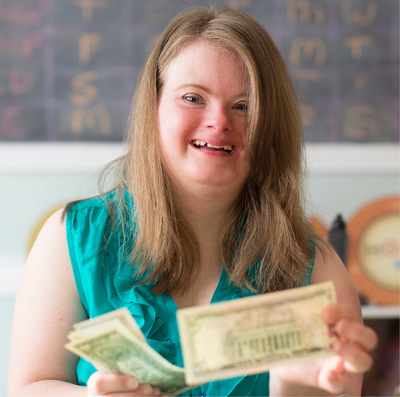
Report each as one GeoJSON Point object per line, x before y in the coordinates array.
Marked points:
{"type": "Point", "coordinates": [110, 345]}
{"type": "Point", "coordinates": [253, 334]}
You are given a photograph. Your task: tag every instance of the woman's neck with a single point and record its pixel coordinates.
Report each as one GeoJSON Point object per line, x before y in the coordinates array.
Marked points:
{"type": "Point", "coordinates": [205, 208]}
{"type": "Point", "coordinates": [207, 218]}
{"type": "Point", "coordinates": [207, 215]}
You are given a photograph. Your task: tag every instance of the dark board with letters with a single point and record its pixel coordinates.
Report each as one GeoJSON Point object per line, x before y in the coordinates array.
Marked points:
{"type": "Point", "coordinates": [68, 68]}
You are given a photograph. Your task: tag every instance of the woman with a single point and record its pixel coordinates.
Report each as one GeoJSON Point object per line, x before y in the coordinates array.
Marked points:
{"type": "Point", "coordinates": [207, 208]}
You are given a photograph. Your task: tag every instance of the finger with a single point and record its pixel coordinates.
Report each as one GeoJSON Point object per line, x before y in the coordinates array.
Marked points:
{"type": "Point", "coordinates": [332, 382]}
{"type": "Point", "coordinates": [146, 389]}
{"type": "Point", "coordinates": [359, 333]}
{"type": "Point", "coordinates": [332, 313]}
{"type": "Point", "coordinates": [101, 383]}
{"type": "Point", "coordinates": [332, 375]}
{"type": "Point", "coordinates": [355, 359]}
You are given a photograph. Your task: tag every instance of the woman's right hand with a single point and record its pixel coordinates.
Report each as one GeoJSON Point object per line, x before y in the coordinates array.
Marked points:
{"type": "Point", "coordinates": [115, 385]}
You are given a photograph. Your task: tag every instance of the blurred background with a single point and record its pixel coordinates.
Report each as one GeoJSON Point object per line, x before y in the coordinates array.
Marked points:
{"type": "Point", "coordinates": [68, 70]}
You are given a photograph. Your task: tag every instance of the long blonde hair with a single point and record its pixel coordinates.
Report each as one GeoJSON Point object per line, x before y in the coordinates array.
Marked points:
{"type": "Point", "coordinates": [267, 225]}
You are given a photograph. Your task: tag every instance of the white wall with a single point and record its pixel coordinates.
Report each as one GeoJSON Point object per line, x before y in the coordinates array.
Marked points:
{"type": "Point", "coordinates": [37, 178]}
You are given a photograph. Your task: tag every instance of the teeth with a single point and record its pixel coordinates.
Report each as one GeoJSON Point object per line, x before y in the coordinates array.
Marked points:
{"type": "Point", "coordinates": [228, 148]}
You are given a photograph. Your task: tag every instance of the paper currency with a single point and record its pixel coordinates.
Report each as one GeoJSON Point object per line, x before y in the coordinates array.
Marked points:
{"type": "Point", "coordinates": [251, 335]}
{"type": "Point", "coordinates": [112, 343]}
{"type": "Point", "coordinates": [222, 340]}
{"type": "Point", "coordinates": [121, 315]}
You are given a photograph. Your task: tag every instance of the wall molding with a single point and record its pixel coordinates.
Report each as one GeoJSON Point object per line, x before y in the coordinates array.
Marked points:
{"type": "Point", "coordinates": [89, 157]}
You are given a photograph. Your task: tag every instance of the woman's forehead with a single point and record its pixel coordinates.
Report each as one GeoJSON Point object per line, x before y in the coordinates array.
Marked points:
{"type": "Point", "coordinates": [204, 58]}
{"type": "Point", "coordinates": [205, 62]}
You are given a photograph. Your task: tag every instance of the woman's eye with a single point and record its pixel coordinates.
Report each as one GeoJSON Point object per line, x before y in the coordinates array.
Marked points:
{"type": "Point", "coordinates": [242, 106]}
{"type": "Point", "coordinates": [192, 98]}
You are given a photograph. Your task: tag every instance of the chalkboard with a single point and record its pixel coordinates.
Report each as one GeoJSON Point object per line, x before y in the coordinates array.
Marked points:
{"type": "Point", "coordinates": [68, 68]}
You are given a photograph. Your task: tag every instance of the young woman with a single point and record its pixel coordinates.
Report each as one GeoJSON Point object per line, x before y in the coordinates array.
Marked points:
{"type": "Point", "coordinates": [207, 208]}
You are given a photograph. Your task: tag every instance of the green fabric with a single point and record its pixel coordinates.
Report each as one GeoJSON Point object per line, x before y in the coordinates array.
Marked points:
{"type": "Point", "coordinates": [106, 283]}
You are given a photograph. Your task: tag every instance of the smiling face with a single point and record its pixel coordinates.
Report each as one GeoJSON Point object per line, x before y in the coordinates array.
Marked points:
{"type": "Point", "coordinates": [202, 119]}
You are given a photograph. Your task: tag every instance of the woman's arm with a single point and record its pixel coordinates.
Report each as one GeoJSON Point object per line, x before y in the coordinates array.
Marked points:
{"type": "Point", "coordinates": [46, 307]}
{"type": "Point", "coordinates": [342, 373]}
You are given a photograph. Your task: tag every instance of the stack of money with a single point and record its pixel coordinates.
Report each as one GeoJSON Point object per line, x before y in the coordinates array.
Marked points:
{"type": "Point", "coordinates": [113, 342]}
{"type": "Point", "coordinates": [223, 340]}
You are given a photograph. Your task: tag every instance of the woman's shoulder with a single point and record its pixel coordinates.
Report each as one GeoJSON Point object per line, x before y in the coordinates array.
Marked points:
{"type": "Point", "coordinates": [98, 223]}
{"type": "Point", "coordinates": [49, 253]}
{"type": "Point", "coordinates": [53, 228]}
{"type": "Point", "coordinates": [89, 221]}
{"type": "Point", "coordinates": [94, 211]}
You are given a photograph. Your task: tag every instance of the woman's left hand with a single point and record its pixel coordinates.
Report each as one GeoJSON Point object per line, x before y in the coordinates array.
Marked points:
{"type": "Point", "coordinates": [354, 341]}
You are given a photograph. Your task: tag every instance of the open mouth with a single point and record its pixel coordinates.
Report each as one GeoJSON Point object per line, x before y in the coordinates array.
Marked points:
{"type": "Point", "coordinates": [202, 145]}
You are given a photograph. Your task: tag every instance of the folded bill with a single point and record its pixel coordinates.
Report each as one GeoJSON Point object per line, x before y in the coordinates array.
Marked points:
{"type": "Point", "coordinates": [122, 316]}
{"type": "Point", "coordinates": [112, 343]}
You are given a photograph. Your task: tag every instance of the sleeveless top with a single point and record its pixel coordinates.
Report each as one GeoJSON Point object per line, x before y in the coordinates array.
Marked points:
{"type": "Point", "coordinates": [105, 283]}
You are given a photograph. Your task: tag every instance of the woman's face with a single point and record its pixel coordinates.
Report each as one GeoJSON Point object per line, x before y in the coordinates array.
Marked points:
{"type": "Point", "coordinates": [202, 118]}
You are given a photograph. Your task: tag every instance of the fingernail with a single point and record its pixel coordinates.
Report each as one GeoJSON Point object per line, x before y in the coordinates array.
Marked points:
{"type": "Point", "coordinates": [147, 390]}
{"type": "Point", "coordinates": [332, 331]}
{"type": "Point", "coordinates": [132, 384]}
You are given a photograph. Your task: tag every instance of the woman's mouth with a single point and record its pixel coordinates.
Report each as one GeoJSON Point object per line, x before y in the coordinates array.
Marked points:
{"type": "Point", "coordinates": [201, 144]}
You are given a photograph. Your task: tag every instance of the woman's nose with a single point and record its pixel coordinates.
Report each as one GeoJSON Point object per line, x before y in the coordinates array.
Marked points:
{"type": "Point", "coordinates": [218, 119]}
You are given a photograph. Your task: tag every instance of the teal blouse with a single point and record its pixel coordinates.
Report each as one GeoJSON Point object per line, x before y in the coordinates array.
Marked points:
{"type": "Point", "coordinates": [105, 282]}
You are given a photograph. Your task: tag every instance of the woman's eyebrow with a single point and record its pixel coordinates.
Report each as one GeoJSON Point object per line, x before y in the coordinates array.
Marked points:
{"type": "Point", "coordinates": [244, 94]}
{"type": "Point", "coordinates": [194, 85]}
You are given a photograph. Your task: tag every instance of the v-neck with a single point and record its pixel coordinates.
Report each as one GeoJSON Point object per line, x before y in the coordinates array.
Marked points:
{"type": "Point", "coordinates": [167, 308]}
{"type": "Point", "coordinates": [172, 306]}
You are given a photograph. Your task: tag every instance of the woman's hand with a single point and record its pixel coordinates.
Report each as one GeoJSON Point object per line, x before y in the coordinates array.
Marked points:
{"type": "Point", "coordinates": [354, 341]}
{"type": "Point", "coordinates": [115, 385]}
{"type": "Point", "coordinates": [333, 374]}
